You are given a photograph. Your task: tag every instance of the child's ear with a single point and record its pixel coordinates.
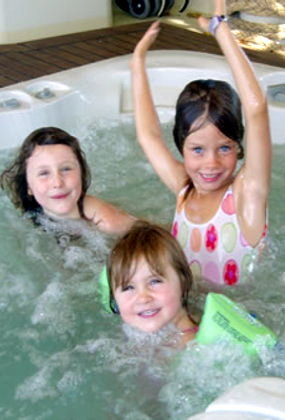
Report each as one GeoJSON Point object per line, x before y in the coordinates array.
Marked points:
{"type": "Point", "coordinates": [30, 192]}
{"type": "Point", "coordinates": [114, 307]}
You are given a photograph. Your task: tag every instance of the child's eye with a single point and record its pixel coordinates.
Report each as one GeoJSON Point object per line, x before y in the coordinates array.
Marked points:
{"type": "Point", "coordinates": [127, 288]}
{"type": "Point", "coordinates": [197, 150]}
{"type": "Point", "coordinates": [43, 173]}
{"type": "Point", "coordinates": [225, 148]}
{"type": "Point", "coordinates": [156, 280]}
{"type": "Point", "coordinates": [66, 169]}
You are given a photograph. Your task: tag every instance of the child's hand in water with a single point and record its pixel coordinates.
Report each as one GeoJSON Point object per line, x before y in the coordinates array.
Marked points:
{"type": "Point", "coordinates": [147, 40]}
{"type": "Point", "coordinates": [219, 9]}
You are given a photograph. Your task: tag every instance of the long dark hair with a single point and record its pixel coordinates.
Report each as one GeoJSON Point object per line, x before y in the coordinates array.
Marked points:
{"type": "Point", "coordinates": [209, 100]}
{"type": "Point", "coordinates": [14, 178]}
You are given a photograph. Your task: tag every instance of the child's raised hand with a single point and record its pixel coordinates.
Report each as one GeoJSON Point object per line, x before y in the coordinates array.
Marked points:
{"type": "Point", "coordinates": [219, 9]}
{"type": "Point", "coordinates": [147, 40]}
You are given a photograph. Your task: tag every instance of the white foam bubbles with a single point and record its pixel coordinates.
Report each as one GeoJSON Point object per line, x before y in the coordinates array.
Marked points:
{"type": "Point", "coordinates": [53, 308]}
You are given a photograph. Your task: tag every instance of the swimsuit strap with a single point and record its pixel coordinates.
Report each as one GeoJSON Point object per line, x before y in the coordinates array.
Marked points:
{"type": "Point", "coordinates": [189, 330]}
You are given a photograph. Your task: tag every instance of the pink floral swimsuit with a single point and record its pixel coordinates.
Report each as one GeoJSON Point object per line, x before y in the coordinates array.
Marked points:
{"type": "Point", "coordinates": [215, 250]}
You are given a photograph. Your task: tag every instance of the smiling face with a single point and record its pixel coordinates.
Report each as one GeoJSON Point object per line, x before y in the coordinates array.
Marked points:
{"type": "Point", "coordinates": [210, 158]}
{"type": "Point", "coordinates": [54, 179]}
{"type": "Point", "coordinates": [150, 301]}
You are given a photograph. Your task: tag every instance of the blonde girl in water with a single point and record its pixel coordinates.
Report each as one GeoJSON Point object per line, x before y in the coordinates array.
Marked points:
{"type": "Point", "coordinates": [220, 218]}
{"type": "Point", "coordinates": [150, 282]}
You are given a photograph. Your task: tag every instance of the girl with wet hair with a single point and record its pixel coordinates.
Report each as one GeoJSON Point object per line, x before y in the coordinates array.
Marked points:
{"type": "Point", "coordinates": [150, 281]}
{"type": "Point", "coordinates": [50, 176]}
{"type": "Point", "coordinates": [221, 209]}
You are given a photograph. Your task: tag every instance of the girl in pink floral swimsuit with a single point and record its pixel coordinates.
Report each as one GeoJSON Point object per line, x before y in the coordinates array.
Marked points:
{"type": "Point", "coordinates": [220, 216]}
{"type": "Point", "coordinates": [216, 250]}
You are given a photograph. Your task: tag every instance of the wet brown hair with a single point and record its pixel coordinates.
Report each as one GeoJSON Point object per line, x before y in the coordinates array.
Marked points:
{"type": "Point", "coordinates": [158, 247]}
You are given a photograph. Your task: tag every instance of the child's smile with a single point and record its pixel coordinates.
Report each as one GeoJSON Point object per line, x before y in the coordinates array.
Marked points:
{"type": "Point", "coordinates": [151, 301]}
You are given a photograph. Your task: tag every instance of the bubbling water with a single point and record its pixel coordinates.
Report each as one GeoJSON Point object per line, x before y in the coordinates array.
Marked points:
{"type": "Point", "coordinates": [63, 356]}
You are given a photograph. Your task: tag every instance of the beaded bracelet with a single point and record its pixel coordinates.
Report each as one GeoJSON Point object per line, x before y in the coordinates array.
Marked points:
{"type": "Point", "coordinates": [214, 23]}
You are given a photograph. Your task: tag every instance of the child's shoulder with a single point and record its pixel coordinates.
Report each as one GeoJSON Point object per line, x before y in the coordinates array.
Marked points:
{"type": "Point", "coordinates": [106, 216]}
{"type": "Point", "coordinates": [94, 208]}
{"type": "Point", "coordinates": [90, 202]}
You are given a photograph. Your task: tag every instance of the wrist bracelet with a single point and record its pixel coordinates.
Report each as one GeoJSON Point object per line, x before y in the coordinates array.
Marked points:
{"type": "Point", "coordinates": [214, 23]}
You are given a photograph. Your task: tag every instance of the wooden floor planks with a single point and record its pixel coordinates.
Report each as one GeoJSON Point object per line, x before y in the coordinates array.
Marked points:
{"type": "Point", "coordinates": [24, 61]}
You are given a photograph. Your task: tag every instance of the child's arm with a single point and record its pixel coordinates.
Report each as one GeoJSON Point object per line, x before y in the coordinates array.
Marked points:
{"type": "Point", "coordinates": [252, 184]}
{"type": "Point", "coordinates": [108, 218]}
{"type": "Point", "coordinates": [170, 170]}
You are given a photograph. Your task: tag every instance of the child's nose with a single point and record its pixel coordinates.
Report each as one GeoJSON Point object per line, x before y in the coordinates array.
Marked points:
{"type": "Point", "coordinates": [212, 159]}
{"type": "Point", "coordinates": [57, 180]}
{"type": "Point", "coordinates": [144, 295]}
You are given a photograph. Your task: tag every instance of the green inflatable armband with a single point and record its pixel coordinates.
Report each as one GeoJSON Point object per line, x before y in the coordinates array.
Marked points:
{"type": "Point", "coordinates": [104, 290]}
{"type": "Point", "coordinates": [223, 318]}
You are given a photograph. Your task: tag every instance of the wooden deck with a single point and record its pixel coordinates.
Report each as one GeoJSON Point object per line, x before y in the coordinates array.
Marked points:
{"type": "Point", "coordinates": [24, 61]}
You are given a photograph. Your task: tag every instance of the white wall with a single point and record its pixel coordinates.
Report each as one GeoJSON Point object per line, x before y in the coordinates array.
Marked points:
{"type": "Point", "coordinates": [202, 6]}
{"type": "Point", "coordinates": [25, 20]}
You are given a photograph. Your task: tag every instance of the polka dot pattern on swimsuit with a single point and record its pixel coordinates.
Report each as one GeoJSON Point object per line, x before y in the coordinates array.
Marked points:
{"type": "Point", "coordinates": [216, 250]}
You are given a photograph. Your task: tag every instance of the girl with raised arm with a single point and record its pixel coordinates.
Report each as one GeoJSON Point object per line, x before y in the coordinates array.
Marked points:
{"type": "Point", "coordinates": [220, 217]}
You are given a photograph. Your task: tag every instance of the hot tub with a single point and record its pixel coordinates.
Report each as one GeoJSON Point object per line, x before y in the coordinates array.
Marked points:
{"type": "Point", "coordinates": [103, 88]}
{"type": "Point", "coordinates": [62, 355]}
